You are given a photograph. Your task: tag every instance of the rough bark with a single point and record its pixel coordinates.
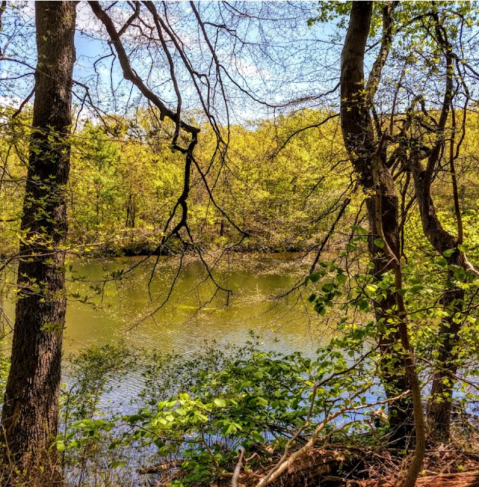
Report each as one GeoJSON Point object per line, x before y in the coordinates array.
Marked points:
{"type": "Point", "coordinates": [30, 409]}
{"type": "Point", "coordinates": [439, 405]}
{"type": "Point", "coordinates": [367, 156]}
{"type": "Point", "coordinates": [459, 479]}
{"type": "Point", "coordinates": [359, 139]}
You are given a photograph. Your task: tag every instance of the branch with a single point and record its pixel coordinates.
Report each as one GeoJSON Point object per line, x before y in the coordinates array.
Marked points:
{"type": "Point", "coordinates": [130, 74]}
{"type": "Point", "coordinates": [284, 464]}
{"type": "Point", "coordinates": [24, 102]}
{"type": "Point", "coordinates": [236, 473]}
{"type": "Point", "coordinates": [448, 94]}
{"type": "Point", "coordinates": [315, 125]}
{"type": "Point", "coordinates": [386, 41]}
{"type": "Point", "coordinates": [131, 19]}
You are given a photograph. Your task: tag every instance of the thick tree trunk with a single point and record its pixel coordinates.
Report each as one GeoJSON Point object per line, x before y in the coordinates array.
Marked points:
{"type": "Point", "coordinates": [393, 373]}
{"type": "Point", "coordinates": [359, 139]}
{"type": "Point", "coordinates": [439, 404]}
{"type": "Point", "coordinates": [30, 409]}
{"type": "Point", "coordinates": [368, 158]}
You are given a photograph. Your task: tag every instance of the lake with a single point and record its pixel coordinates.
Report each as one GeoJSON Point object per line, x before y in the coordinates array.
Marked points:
{"type": "Point", "coordinates": [131, 309]}
{"type": "Point", "coordinates": [197, 310]}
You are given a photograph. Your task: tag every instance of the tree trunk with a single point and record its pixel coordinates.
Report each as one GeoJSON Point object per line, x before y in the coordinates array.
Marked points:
{"type": "Point", "coordinates": [130, 212]}
{"type": "Point", "coordinates": [368, 158]}
{"type": "Point", "coordinates": [359, 140]}
{"type": "Point", "coordinates": [439, 405]}
{"type": "Point", "coordinates": [30, 409]}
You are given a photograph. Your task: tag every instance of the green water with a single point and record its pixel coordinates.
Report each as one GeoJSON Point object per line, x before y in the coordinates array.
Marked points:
{"type": "Point", "coordinates": [196, 310]}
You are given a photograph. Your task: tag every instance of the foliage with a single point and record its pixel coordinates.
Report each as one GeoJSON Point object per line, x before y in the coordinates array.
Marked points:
{"type": "Point", "coordinates": [281, 184]}
{"type": "Point", "coordinates": [204, 408]}
{"type": "Point", "coordinates": [125, 181]}
{"type": "Point", "coordinates": [92, 375]}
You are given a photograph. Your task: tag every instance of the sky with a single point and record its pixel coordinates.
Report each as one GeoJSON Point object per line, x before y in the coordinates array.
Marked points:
{"type": "Point", "coordinates": [269, 57]}
{"type": "Point", "coordinates": [274, 57]}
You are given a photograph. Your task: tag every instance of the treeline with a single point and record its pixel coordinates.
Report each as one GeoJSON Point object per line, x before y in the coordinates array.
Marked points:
{"type": "Point", "coordinates": [275, 183]}
{"type": "Point", "coordinates": [391, 182]}
{"type": "Point", "coordinates": [279, 183]}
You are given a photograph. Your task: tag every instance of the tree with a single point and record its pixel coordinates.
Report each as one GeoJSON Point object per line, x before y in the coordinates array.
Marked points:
{"type": "Point", "coordinates": [428, 144]}
{"type": "Point", "coordinates": [388, 149]}
{"type": "Point", "coordinates": [367, 155]}
{"type": "Point", "coordinates": [260, 166]}
{"type": "Point", "coordinates": [369, 160]}
{"type": "Point", "coordinates": [30, 410]}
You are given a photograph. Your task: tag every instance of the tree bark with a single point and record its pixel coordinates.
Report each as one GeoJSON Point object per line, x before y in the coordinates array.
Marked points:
{"type": "Point", "coordinates": [30, 409]}
{"type": "Point", "coordinates": [439, 404]}
{"type": "Point", "coordinates": [368, 158]}
{"type": "Point", "coordinates": [383, 212]}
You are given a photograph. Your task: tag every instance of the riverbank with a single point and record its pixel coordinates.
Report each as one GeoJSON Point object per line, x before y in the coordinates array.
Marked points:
{"type": "Point", "coordinates": [143, 243]}
{"type": "Point", "coordinates": [196, 417]}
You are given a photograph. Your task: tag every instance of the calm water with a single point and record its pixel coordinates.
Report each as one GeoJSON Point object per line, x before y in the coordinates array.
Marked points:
{"type": "Point", "coordinates": [196, 309]}
{"type": "Point", "coordinates": [195, 312]}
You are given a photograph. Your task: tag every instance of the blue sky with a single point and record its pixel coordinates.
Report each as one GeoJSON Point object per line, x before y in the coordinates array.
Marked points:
{"type": "Point", "coordinates": [303, 52]}
{"type": "Point", "coordinates": [280, 59]}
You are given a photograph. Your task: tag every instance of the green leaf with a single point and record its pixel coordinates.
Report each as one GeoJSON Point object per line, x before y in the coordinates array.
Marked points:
{"type": "Point", "coordinates": [415, 289]}
{"type": "Point", "coordinates": [221, 403]}
{"type": "Point", "coordinates": [448, 253]}
{"type": "Point", "coordinates": [360, 230]}
{"type": "Point", "coordinates": [314, 277]}
{"type": "Point", "coordinates": [61, 446]}
{"type": "Point", "coordinates": [341, 278]}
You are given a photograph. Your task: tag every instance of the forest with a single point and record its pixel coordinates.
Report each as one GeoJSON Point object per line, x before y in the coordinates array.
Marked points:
{"type": "Point", "coordinates": [239, 243]}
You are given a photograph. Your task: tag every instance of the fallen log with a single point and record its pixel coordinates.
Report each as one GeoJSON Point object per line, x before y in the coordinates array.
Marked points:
{"type": "Point", "coordinates": [306, 471]}
{"type": "Point", "coordinates": [460, 479]}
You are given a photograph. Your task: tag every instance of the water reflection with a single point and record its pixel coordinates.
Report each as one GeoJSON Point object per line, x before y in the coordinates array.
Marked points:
{"type": "Point", "coordinates": [196, 309]}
